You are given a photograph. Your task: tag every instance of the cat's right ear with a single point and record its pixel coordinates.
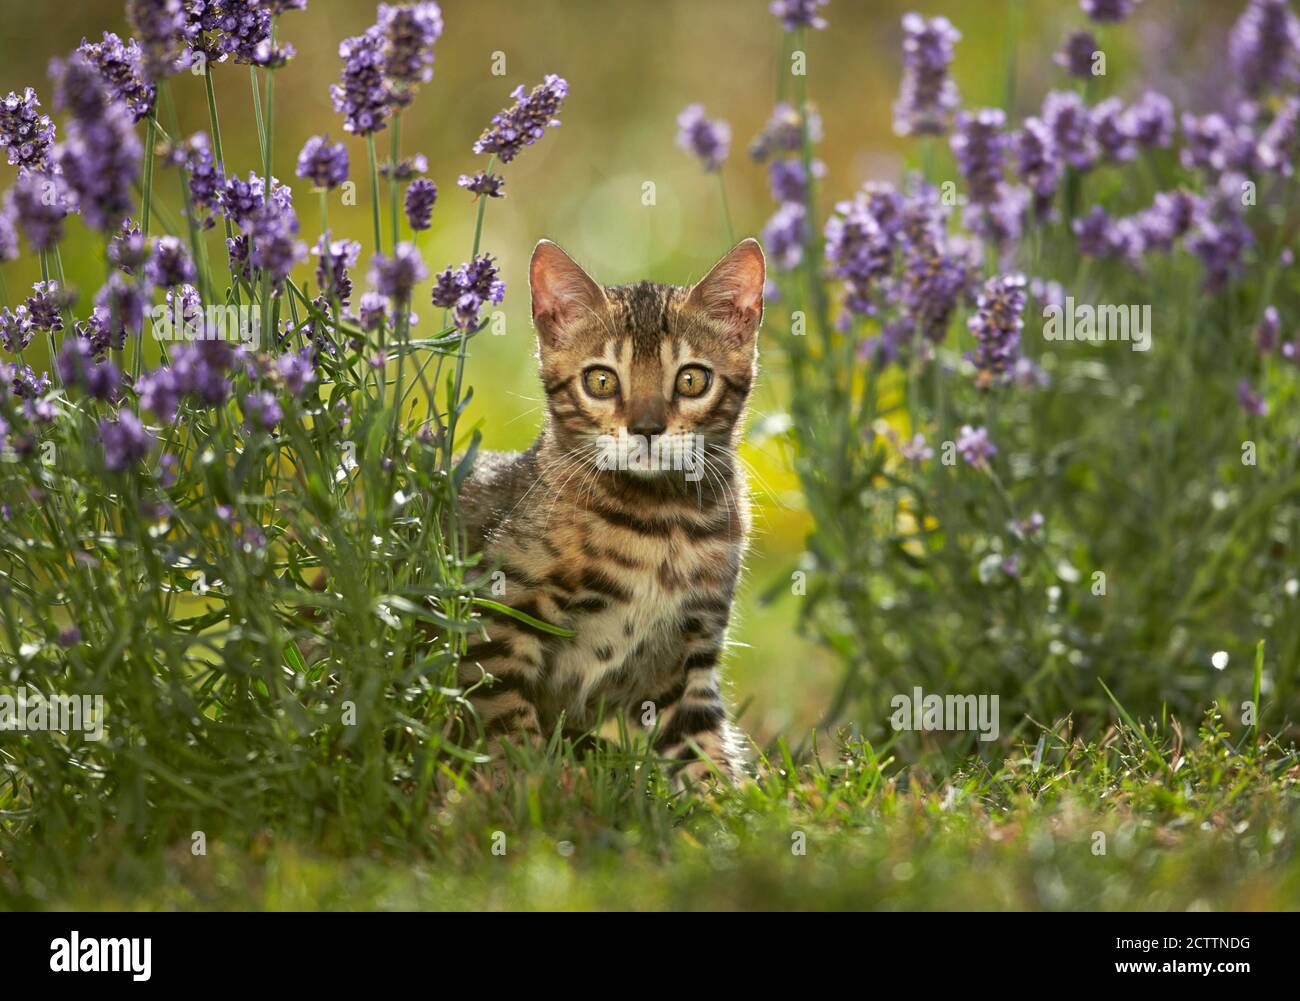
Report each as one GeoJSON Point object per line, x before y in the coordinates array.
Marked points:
{"type": "Point", "coordinates": [563, 294]}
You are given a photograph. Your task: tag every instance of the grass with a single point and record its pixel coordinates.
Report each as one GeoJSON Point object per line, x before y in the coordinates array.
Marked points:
{"type": "Point", "coordinates": [1141, 818]}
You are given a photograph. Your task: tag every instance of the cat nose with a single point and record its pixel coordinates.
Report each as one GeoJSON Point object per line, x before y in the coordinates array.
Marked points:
{"type": "Point", "coordinates": [648, 427]}
{"type": "Point", "coordinates": [647, 417]}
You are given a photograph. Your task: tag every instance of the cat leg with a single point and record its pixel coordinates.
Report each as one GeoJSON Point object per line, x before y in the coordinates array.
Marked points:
{"type": "Point", "coordinates": [506, 705]}
{"type": "Point", "coordinates": [694, 730]}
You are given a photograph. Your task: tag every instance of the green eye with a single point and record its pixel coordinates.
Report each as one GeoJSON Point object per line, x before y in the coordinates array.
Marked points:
{"type": "Point", "coordinates": [601, 383]}
{"type": "Point", "coordinates": [693, 380]}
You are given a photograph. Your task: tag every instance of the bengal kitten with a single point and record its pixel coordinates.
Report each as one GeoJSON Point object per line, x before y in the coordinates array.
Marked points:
{"type": "Point", "coordinates": [626, 520]}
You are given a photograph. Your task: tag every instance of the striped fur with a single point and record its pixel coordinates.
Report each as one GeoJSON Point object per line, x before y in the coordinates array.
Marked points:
{"type": "Point", "coordinates": [641, 565]}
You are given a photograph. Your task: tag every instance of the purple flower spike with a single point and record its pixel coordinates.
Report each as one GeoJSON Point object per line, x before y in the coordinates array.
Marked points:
{"type": "Point", "coordinates": [1076, 54]}
{"type": "Point", "coordinates": [125, 440]}
{"type": "Point", "coordinates": [1263, 46]}
{"type": "Point", "coordinates": [796, 14]}
{"type": "Point", "coordinates": [262, 411]}
{"type": "Point", "coordinates": [420, 197]}
{"type": "Point", "coordinates": [101, 156]}
{"type": "Point", "coordinates": [1250, 401]}
{"type": "Point", "coordinates": [783, 132]}
{"type": "Point", "coordinates": [323, 163]}
{"type": "Point", "coordinates": [467, 289]}
{"type": "Point", "coordinates": [784, 235]}
{"type": "Point", "coordinates": [161, 27]}
{"type": "Point", "coordinates": [979, 143]}
{"type": "Point", "coordinates": [486, 185]}
{"type": "Point", "coordinates": [1108, 10]}
{"type": "Point", "coordinates": [996, 326]}
{"type": "Point", "coordinates": [16, 329]}
{"type": "Point", "coordinates": [927, 95]}
{"type": "Point", "coordinates": [1066, 116]}
{"type": "Point", "coordinates": [710, 140]}
{"type": "Point", "coordinates": [170, 264]}
{"type": "Point", "coordinates": [335, 257]}
{"type": "Point", "coordinates": [409, 33]}
{"type": "Point", "coordinates": [26, 134]}
{"type": "Point", "coordinates": [45, 303]}
{"type": "Point", "coordinates": [974, 445]}
{"type": "Point", "coordinates": [120, 67]}
{"type": "Point", "coordinates": [525, 121]}
{"type": "Point", "coordinates": [396, 276]}
{"type": "Point", "coordinates": [41, 202]}
{"type": "Point", "coordinates": [363, 95]}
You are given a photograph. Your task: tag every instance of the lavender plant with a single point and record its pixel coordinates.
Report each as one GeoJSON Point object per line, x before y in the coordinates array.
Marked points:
{"type": "Point", "coordinates": [249, 549]}
{"type": "Point", "coordinates": [997, 505]}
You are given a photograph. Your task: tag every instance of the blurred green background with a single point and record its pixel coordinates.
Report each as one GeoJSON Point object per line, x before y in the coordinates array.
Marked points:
{"type": "Point", "coordinates": [631, 68]}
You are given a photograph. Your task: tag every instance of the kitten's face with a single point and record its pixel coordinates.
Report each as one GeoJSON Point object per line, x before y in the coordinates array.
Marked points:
{"type": "Point", "coordinates": [650, 379]}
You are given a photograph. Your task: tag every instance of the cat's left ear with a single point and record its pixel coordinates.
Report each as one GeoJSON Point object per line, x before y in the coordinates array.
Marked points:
{"type": "Point", "coordinates": [732, 293]}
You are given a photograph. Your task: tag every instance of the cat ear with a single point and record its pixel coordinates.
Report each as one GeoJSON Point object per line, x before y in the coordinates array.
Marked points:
{"type": "Point", "coordinates": [563, 294]}
{"type": "Point", "coordinates": [732, 293]}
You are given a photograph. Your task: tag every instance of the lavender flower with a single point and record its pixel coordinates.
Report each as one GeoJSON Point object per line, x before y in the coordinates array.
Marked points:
{"type": "Point", "coordinates": [129, 249]}
{"type": "Point", "coordinates": [1101, 236]}
{"type": "Point", "coordinates": [467, 289]}
{"type": "Point", "coordinates": [405, 169]}
{"type": "Point", "coordinates": [796, 14]}
{"type": "Point", "coordinates": [98, 331]}
{"type": "Point", "coordinates": [525, 121]}
{"type": "Point", "coordinates": [1263, 46]}
{"type": "Point", "coordinates": [1221, 236]}
{"type": "Point", "coordinates": [1037, 163]}
{"type": "Point", "coordinates": [1152, 118]}
{"type": "Point", "coordinates": [859, 253]}
{"type": "Point", "coordinates": [980, 146]}
{"type": "Point", "coordinates": [40, 203]}
{"type": "Point", "coordinates": [45, 303]}
{"type": "Point", "coordinates": [1077, 53]}
{"type": "Point", "coordinates": [120, 67]}
{"type": "Point", "coordinates": [975, 447]}
{"type": "Point", "coordinates": [101, 155]}
{"type": "Point", "coordinates": [1170, 216]}
{"type": "Point", "coordinates": [16, 328]}
{"type": "Point", "coordinates": [125, 441]}
{"type": "Point", "coordinates": [1276, 149]}
{"type": "Point", "coordinates": [1066, 117]}
{"type": "Point", "coordinates": [487, 185]}
{"type": "Point", "coordinates": [26, 134]}
{"type": "Point", "coordinates": [76, 366]}
{"type": "Point", "coordinates": [1108, 10]}
{"type": "Point", "coordinates": [26, 384]}
{"type": "Point", "coordinates": [262, 411]}
{"type": "Point", "coordinates": [927, 96]}
{"type": "Point", "coordinates": [1250, 401]}
{"type": "Point", "coordinates": [396, 276]}
{"type": "Point", "coordinates": [783, 132]}
{"type": "Point", "coordinates": [206, 179]}
{"type": "Point", "coordinates": [783, 236]}
{"type": "Point", "coordinates": [420, 197]}
{"type": "Point", "coordinates": [706, 139]}
{"type": "Point", "coordinates": [122, 305]}
{"type": "Point", "coordinates": [246, 33]}
{"type": "Point", "coordinates": [935, 275]}
{"type": "Point", "coordinates": [161, 27]}
{"type": "Point", "coordinates": [323, 163]}
{"type": "Point", "coordinates": [296, 370]}
{"type": "Point", "coordinates": [363, 95]}
{"type": "Point", "coordinates": [335, 257]}
{"type": "Point", "coordinates": [1268, 333]}
{"type": "Point", "coordinates": [372, 311]}
{"type": "Point", "coordinates": [996, 327]}
{"type": "Point", "coordinates": [8, 234]}
{"type": "Point", "coordinates": [409, 33]}
{"type": "Point", "coordinates": [789, 181]}
{"type": "Point", "coordinates": [1213, 144]}
{"type": "Point", "coordinates": [170, 264]}
{"type": "Point", "coordinates": [1114, 130]}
